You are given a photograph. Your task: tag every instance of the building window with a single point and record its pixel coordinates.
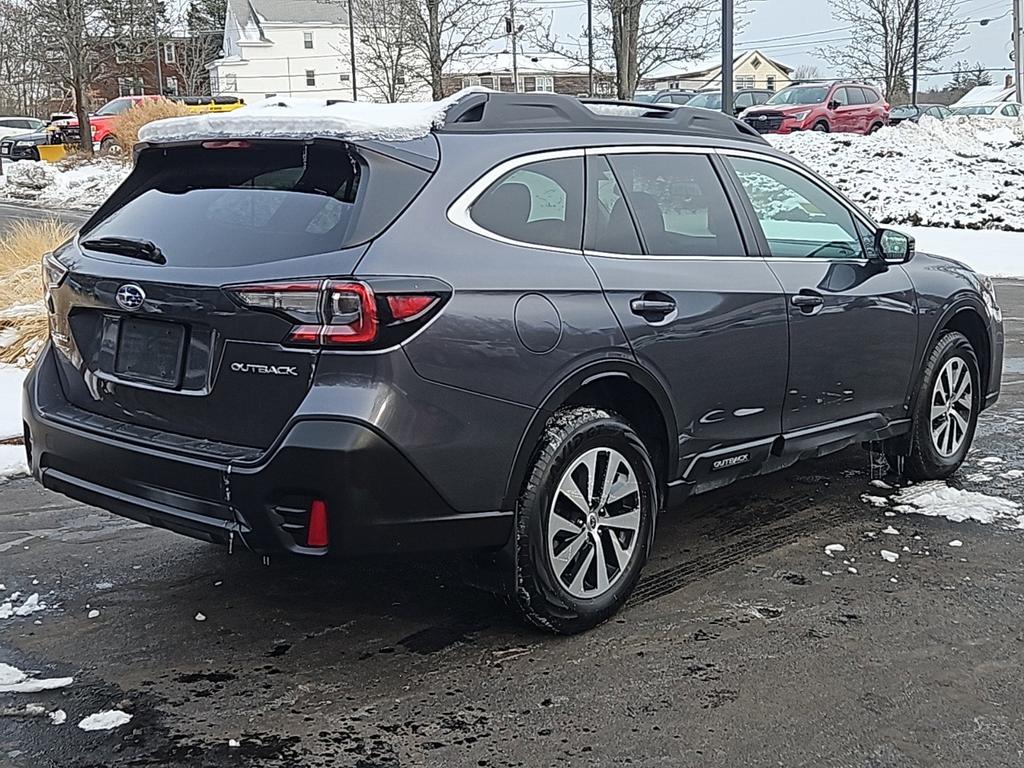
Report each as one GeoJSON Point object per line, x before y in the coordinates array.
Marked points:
{"type": "Point", "coordinates": [169, 53]}
{"type": "Point", "coordinates": [756, 63]}
{"type": "Point", "coordinates": [469, 82]}
{"type": "Point", "coordinates": [487, 82]}
{"type": "Point", "coordinates": [310, 77]}
{"type": "Point", "coordinates": [124, 86]}
{"type": "Point", "coordinates": [307, 40]}
{"type": "Point", "coordinates": [745, 81]}
{"type": "Point", "coordinates": [771, 82]}
{"type": "Point", "coordinates": [269, 95]}
{"type": "Point", "coordinates": [171, 86]}
{"type": "Point", "coordinates": [527, 84]}
{"type": "Point", "coordinates": [546, 84]}
{"type": "Point", "coordinates": [230, 83]}
{"type": "Point", "coordinates": [344, 77]}
{"type": "Point", "coordinates": [399, 76]}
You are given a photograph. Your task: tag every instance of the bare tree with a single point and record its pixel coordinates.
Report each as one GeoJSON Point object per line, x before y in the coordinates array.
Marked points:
{"type": "Point", "coordinates": [806, 72]}
{"type": "Point", "coordinates": [203, 25]}
{"type": "Point", "coordinates": [635, 37]}
{"type": "Point", "coordinates": [882, 48]}
{"type": "Point", "coordinates": [385, 52]}
{"type": "Point", "coordinates": [441, 31]}
{"type": "Point", "coordinates": [25, 86]}
{"type": "Point", "coordinates": [72, 40]}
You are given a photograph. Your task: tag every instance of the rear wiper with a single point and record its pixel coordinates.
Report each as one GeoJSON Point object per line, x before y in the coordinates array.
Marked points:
{"type": "Point", "coordinates": [127, 246]}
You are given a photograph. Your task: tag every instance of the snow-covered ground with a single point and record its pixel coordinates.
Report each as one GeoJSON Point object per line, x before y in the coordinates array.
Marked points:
{"type": "Point", "coordinates": [960, 173]}
{"type": "Point", "coordinates": [11, 381]}
{"type": "Point", "coordinates": [991, 252]}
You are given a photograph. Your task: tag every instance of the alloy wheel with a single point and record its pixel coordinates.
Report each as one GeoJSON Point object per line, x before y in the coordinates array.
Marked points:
{"type": "Point", "coordinates": [594, 522]}
{"type": "Point", "coordinates": [952, 407]}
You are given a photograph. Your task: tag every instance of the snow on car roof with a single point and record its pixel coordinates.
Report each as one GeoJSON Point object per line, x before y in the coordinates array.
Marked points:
{"type": "Point", "coordinates": [304, 118]}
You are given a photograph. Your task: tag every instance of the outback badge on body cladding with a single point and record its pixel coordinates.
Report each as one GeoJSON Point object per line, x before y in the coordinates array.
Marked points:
{"type": "Point", "coordinates": [732, 461]}
{"type": "Point", "coordinates": [269, 370]}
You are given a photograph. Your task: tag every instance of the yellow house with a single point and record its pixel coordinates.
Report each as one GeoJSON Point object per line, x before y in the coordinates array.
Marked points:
{"type": "Point", "coordinates": [750, 70]}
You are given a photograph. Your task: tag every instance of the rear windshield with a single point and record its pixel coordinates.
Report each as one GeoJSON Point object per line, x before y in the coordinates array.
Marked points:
{"type": "Point", "coordinates": [223, 206]}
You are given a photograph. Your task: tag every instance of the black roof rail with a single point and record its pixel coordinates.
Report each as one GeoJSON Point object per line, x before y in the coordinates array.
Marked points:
{"type": "Point", "coordinates": [494, 112]}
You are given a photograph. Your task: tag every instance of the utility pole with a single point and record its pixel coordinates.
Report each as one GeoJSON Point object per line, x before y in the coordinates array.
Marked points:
{"type": "Point", "coordinates": [156, 44]}
{"type": "Point", "coordinates": [590, 48]}
{"type": "Point", "coordinates": [917, 50]}
{"type": "Point", "coordinates": [515, 46]}
{"type": "Point", "coordinates": [352, 50]}
{"type": "Point", "coordinates": [727, 57]}
{"type": "Point", "coordinates": [1018, 49]}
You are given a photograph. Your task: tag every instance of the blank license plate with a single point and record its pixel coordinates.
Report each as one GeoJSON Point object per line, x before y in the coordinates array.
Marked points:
{"type": "Point", "coordinates": [150, 351]}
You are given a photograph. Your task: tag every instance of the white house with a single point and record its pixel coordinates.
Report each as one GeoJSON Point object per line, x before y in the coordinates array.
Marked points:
{"type": "Point", "coordinates": [287, 48]}
{"type": "Point", "coordinates": [751, 69]}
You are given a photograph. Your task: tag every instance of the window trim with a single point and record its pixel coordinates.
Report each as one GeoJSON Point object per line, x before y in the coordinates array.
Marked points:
{"type": "Point", "coordinates": [458, 212]}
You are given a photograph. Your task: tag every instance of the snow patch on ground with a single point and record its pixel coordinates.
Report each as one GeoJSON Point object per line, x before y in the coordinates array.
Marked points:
{"type": "Point", "coordinates": [302, 118]}
{"type": "Point", "coordinates": [82, 186]}
{"type": "Point", "coordinates": [31, 604]}
{"type": "Point", "coordinates": [12, 462]}
{"type": "Point", "coordinates": [936, 499]}
{"type": "Point", "coordinates": [988, 252]}
{"type": "Point", "coordinates": [13, 680]}
{"type": "Point", "coordinates": [104, 721]}
{"type": "Point", "coordinates": [961, 173]}
{"type": "Point", "coordinates": [11, 381]}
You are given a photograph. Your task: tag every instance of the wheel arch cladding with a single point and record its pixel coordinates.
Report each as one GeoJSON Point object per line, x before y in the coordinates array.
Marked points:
{"type": "Point", "coordinates": [624, 389]}
{"type": "Point", "coordinates": [966, 319]}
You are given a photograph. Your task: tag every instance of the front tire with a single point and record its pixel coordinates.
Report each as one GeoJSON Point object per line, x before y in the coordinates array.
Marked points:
{"type": "Point", "coordinates": [821, 127]}
{"type": "Point", "coordinates": [584, 521]}
{"type": "Point", "coordinates": [946, 412]}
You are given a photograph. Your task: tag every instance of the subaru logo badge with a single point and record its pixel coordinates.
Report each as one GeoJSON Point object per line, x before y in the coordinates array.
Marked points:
{"type": "Point", "coordinates": [762, 118]}
{"type": "Point", "coordinates": [130, 297]}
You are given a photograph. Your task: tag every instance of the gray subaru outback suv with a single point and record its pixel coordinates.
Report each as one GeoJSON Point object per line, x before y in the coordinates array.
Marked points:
{"type": "Point", "coordinates": [525, 332]}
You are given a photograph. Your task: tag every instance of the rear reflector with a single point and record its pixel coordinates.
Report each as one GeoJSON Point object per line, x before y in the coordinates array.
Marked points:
{"type": "Point", "coordinates": [316, 531]}
{"type": "Point", "coordinates": [406, 307]}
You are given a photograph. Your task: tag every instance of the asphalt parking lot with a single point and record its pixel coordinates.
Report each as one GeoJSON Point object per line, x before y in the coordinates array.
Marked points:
{"type": "Point", "coordinates": [735, 651]}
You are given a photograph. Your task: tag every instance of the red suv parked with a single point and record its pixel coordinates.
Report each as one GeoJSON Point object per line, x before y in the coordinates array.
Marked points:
{"type": "Point", "coordinates": [848, 107]}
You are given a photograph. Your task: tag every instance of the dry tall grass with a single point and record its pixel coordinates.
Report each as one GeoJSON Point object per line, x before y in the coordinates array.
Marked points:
{"type": "Point", "coordinates": [127, 124]}
{"type": "Point", "coordinates": [23, 323]}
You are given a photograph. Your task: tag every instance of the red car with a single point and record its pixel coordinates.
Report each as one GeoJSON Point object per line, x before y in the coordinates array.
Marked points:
{"type": "Point", "coordinates": [841, 106]}
{"type": "Point", "coordinates": [102, 122]}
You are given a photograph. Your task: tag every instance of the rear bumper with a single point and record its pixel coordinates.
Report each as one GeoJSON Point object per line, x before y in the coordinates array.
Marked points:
{"type": "Point", "coordinates": [376, 499]}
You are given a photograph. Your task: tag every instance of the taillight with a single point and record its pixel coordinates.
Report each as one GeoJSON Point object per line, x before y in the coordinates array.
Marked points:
{"type": "Point", "coordinates": [339, 313]}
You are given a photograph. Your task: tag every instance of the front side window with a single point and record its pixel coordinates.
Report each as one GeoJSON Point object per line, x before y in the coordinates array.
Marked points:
{"type": "Point", "coordinates": [800, 94]}
{"type": "Point", "coordinates": [540, 203]}
{"type": "Point", "coordinates": [799, 218]}
{"type": "Point", "coordinates": [115, 107]}
{"type": "Point", "coordinates": [679, 205]}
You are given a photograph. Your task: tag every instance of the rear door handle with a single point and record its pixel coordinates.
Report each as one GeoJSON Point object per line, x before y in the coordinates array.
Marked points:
{"type": "Point", "coordinates": [653, 306]}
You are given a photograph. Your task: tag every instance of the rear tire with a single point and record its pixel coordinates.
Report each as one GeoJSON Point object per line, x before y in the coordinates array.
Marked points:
{"type": "Point", "coordinates": [821, 127]}
{"type": "Point", "coordinates": [109, 146]}
{"type": "Point", "coordinates": [875, 127]}
{"type": "Point", "coordinates": [582, 535]}
{"type": "Point", "coordinates": [946, 411]}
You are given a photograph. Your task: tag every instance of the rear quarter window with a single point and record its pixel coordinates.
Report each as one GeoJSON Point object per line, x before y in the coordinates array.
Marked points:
{"type": "Point", "coordinates": [538, 204]}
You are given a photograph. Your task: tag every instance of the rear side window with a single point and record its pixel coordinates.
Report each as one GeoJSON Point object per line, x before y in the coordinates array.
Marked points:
{"type": "Point", "coordinates": [856, 96]}
{"type": "Point", "coordinates": [870, 95]}
{"type": "Point", "coordinates": [610, 227]}
{"type": "Point", "coordinates": [268, 202]}
{"type": "Point", "coordinates": [744, 100]}
{"type": "Point", "coordinates": [679, 204]}
{"type": "Point", "coordinates": [539, 204]}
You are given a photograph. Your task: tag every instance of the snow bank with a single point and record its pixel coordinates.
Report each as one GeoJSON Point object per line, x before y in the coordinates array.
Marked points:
{"type": "Point", "coordinates": [81, 186]}
{"type": "Point", "coordinates": [961, 172]}
{"type": "Point", "coordinates": [301, 118]}
{"type": "Point", "coordinates": [936, 499]}
{"type": "Point", "coordinates": [11, 380]}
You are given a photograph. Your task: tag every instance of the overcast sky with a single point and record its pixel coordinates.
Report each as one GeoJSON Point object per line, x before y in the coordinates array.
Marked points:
{"type": "Point", "coordinates": [770, 20]}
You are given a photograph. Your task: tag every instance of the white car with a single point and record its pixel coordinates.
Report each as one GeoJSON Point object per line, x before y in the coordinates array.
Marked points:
{"type": "Point", "coordinates": [11, 126]}
{"type": "Point", "coordinates": [998, 110]}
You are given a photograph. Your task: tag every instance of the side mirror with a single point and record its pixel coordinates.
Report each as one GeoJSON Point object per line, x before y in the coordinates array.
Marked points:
{"type": "Point", "coordinates": [833, 105]}
{"type": "Point", "coordinates": [893, 247]}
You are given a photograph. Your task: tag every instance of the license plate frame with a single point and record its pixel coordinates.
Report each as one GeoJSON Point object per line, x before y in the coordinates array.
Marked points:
{"type": "Point", "coordinates": [150, 351]}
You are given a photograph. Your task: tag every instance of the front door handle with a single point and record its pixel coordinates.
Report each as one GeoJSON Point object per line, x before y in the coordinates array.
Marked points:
{"type": "Point", "coordinates": [653, 306]}
{"type": "Point", "coordinates": [807, 302]}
